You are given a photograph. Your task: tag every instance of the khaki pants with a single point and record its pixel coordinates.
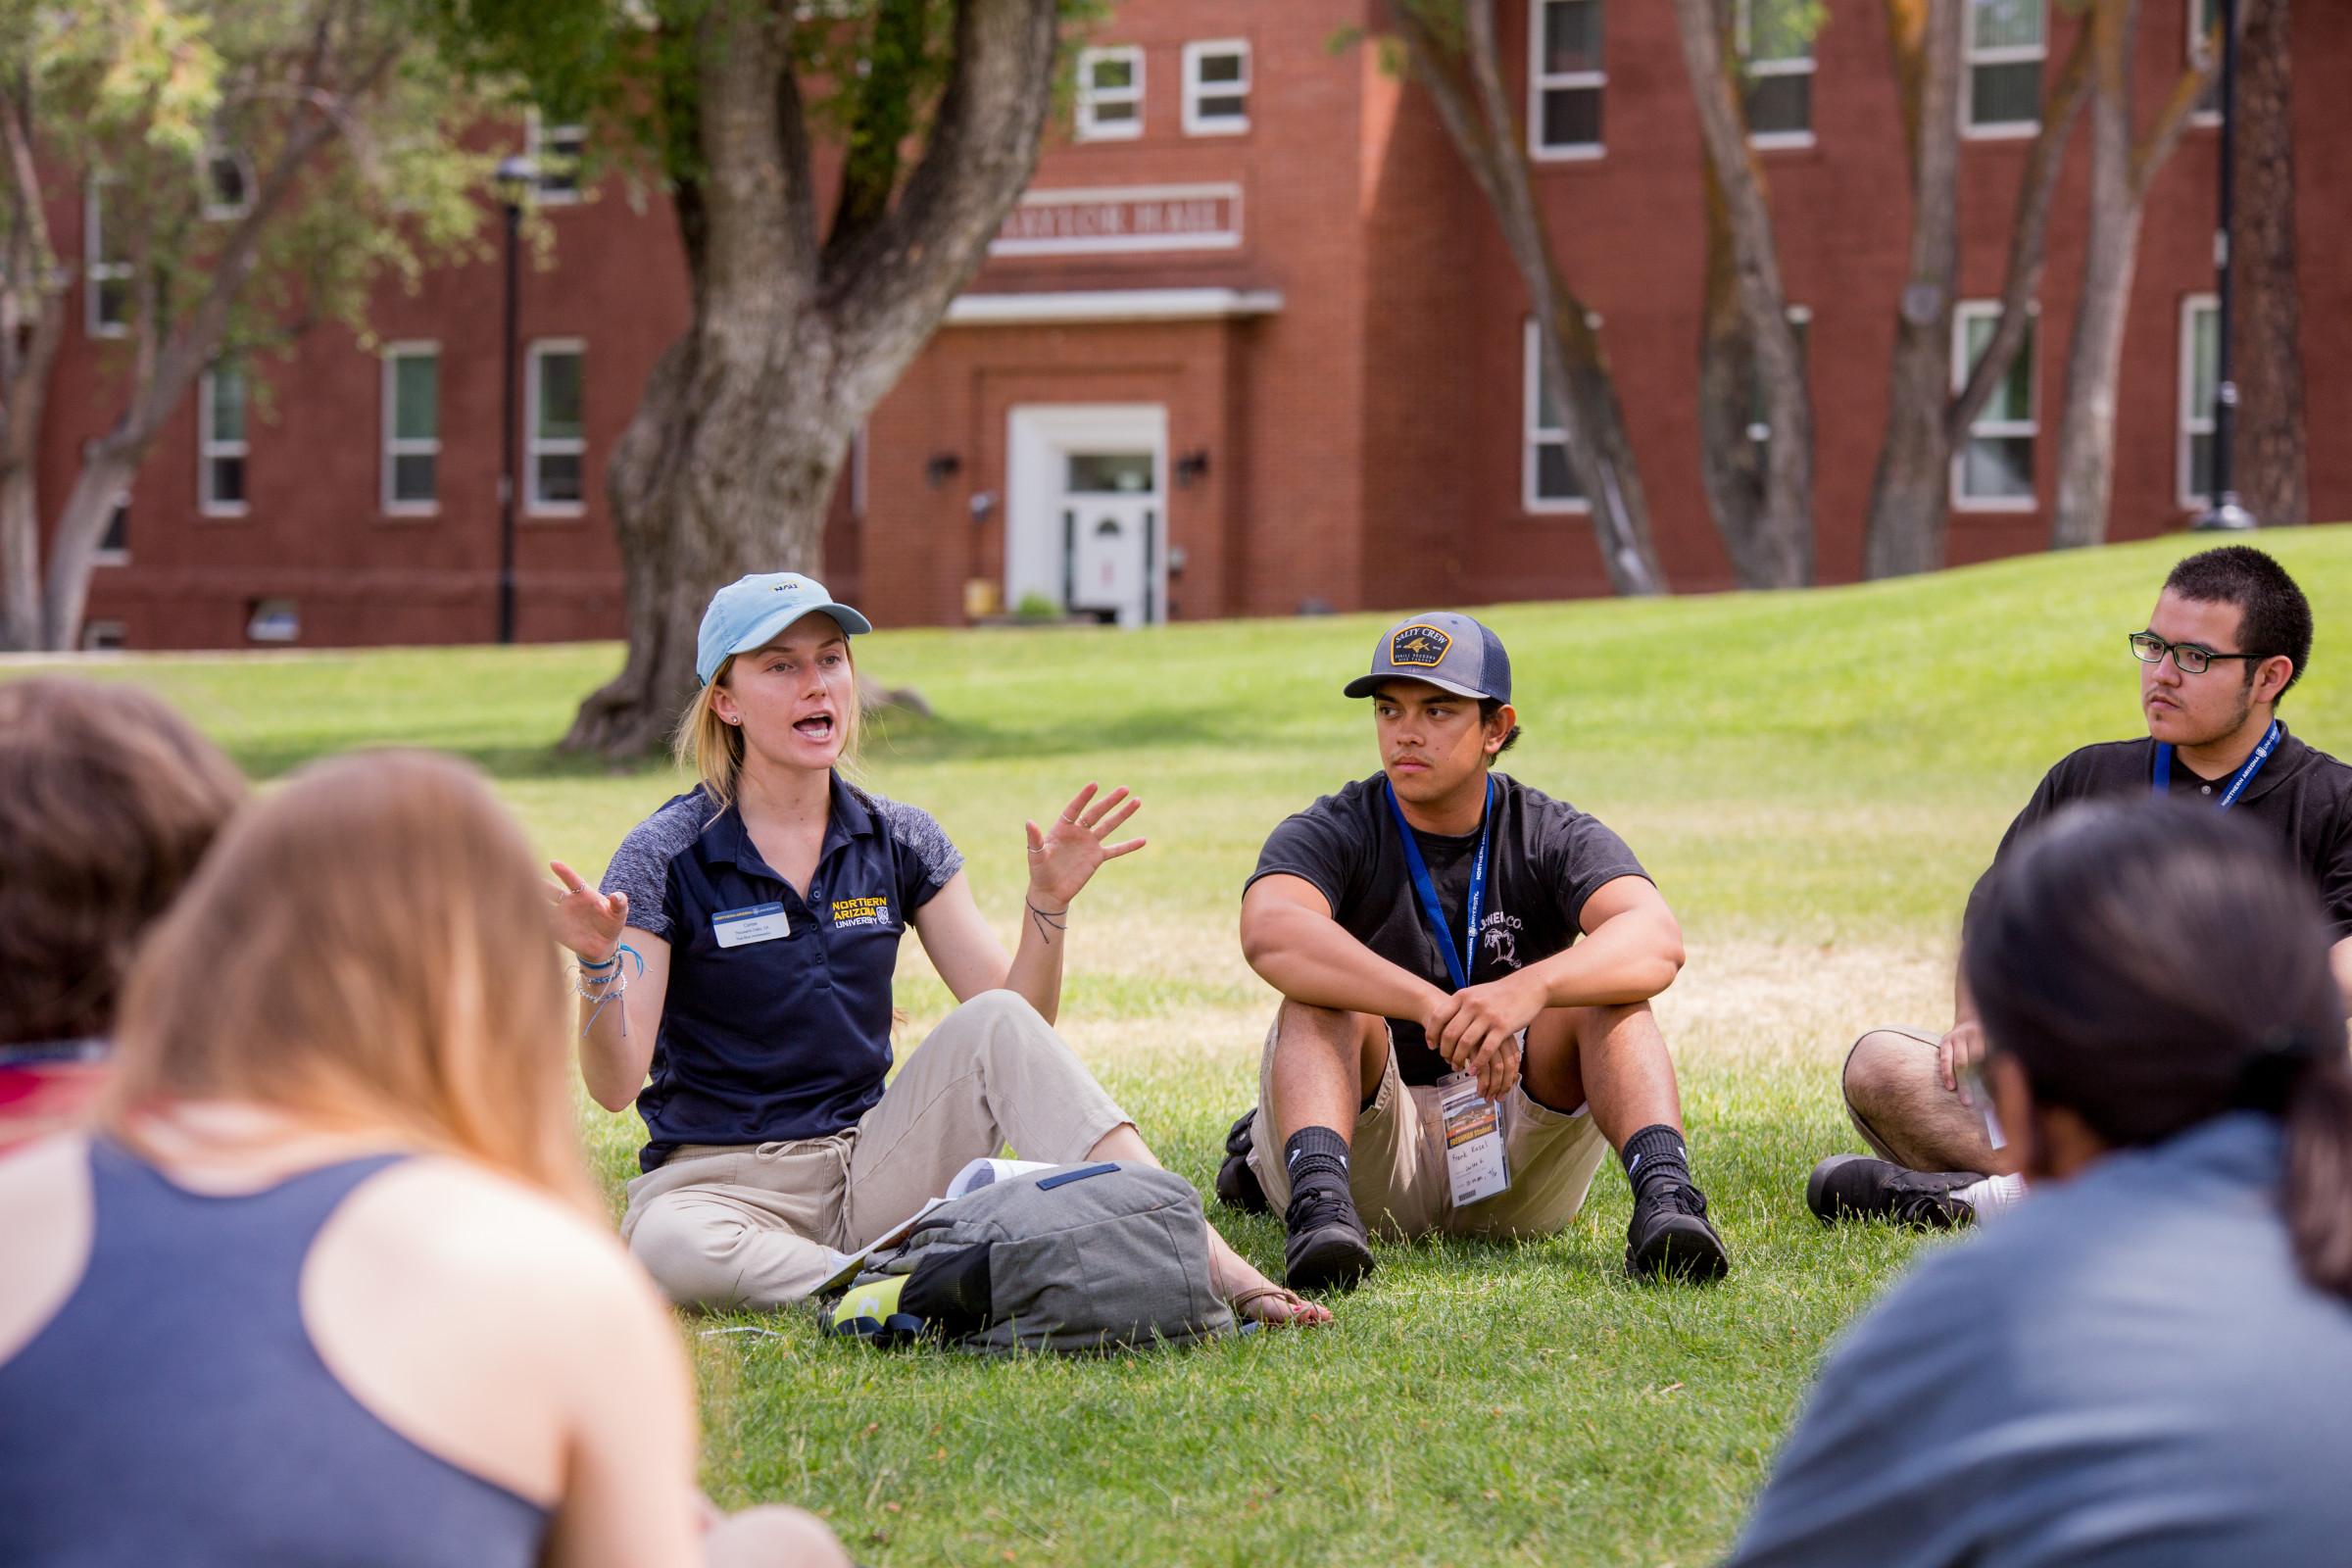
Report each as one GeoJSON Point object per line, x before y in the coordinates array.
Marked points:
{"type": "Point", "coordinates": [752, 1225]}
{"type": "Point", "coordinates": [1396, 1161]}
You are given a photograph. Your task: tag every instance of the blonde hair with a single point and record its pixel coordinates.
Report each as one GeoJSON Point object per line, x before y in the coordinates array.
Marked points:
{"type": "Point", "coordinates": [369, 947]}
{"type": "Point", "coordinates": [714, 748]}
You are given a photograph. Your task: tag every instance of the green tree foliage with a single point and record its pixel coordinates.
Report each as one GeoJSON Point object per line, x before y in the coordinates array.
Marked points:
{"type": "Point", "coordinates": [258, 166]}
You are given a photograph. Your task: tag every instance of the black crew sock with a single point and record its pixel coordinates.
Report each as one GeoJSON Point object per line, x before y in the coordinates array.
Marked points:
{"type": "Point", "coordinates": [1655, 1158]}
{"type": "Point", "coordinates": [1315, 1157]}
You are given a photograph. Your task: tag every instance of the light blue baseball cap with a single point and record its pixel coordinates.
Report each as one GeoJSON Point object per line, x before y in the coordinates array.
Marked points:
{"type": "Point", "coordinates": [749, 612]}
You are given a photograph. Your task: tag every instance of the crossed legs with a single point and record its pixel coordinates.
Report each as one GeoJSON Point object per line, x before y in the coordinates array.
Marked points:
{"type": "Point", "coordinates": [1327, 1063]}
{"type": "Point", "coordinates": [1895, 1093]}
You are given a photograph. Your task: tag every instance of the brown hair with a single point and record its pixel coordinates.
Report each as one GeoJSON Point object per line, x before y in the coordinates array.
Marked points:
{"type": "Point", "coordinates": [108, 799]}
{"type": "Point", "coordinates": [714, 748]}
{"type": "Point", "coordinates": [2152, 966]}
{"type": "Point", "coordinates": [369, 947]}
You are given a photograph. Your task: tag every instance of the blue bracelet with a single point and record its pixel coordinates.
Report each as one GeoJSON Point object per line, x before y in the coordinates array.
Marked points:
{"type": "Point", "coordinates": [606, 965]}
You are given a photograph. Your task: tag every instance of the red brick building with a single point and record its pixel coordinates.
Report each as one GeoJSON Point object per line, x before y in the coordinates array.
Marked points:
{"type": "Point", "coordinates": [1250, 345]}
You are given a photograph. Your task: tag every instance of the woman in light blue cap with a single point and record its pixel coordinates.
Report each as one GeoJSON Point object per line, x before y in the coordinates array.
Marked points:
{"type": "Point", "coordinates": [748, 932]}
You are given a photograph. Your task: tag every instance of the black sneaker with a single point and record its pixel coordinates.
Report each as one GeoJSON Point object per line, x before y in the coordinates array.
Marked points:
{"type": "Point", "coordinates": [1328, 1248]}
{"type": "Point", "coordinates": [1858, 1187]}
{"type": "Point", "coordinates": [1237, 1186]}
{"type": "Point", "coordinates": [1670, 1236]}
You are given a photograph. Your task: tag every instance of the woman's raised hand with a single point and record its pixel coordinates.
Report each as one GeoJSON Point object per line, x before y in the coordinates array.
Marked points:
{"type": "Point", "coordinates": [1063, 859]}
{"type": "Point", "coordinates": [586, 921]}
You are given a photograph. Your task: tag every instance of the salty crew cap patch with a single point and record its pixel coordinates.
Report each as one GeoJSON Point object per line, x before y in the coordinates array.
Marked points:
{"type": "Point", "coordinates": [1448, 649]}
{"type": "Point", "coordinates": [750, 612]}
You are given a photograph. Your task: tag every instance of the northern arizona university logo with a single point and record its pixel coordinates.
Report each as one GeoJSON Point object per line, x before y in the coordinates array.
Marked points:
{"type": "Point", "coordinates": [1418, 645]}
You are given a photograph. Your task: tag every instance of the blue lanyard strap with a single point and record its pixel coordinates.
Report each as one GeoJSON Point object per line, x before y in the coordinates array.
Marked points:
{"type": "Point", "coordinates": [1458, 964]}
{"type": "Point", "coordinates": [2237, 781]}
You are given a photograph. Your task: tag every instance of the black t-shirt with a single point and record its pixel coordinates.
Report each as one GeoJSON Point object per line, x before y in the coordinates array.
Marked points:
{"type": "Point", "coordinates": [1546, 857]}
{"type": "Point", "coordinates": [2302, 795]}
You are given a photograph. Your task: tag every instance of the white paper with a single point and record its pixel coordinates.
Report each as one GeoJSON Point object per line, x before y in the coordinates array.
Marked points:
{"type": "Point", "coordinates": [987, 1172]}
{"type": "Point", "coordinates": [1473, 1123]}
{"type": "Point", "coordinates": [846, 1264]}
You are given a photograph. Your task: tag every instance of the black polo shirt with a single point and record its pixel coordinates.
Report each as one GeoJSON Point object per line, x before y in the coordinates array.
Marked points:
{"type": "Point", "coordinates": [787, 1037]}
{"type": "Point", "coordinates": [1546, 857]}
{"type": "Point", "coordinates": [2302, 796]}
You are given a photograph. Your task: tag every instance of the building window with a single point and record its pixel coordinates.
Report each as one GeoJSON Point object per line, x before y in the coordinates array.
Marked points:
{"type": "Point", "coordinates": [1776, 47]}
{"type": "Point", "coordinates": [2007, 42]}
{"type": "Point", "coordinates": [1565, 78]}
{"type": "Point", "coordinates": [227, 184]}
{"type": "Point", "coordinates": [1110, 93]}
{"type": "Point", "coordinates": [412, 428]}
{"type": "Point", "coordinates": [557, 150]}
{"type": "Point", "coordinates": [2204, 17]}
{"type": "Point", "coordinates": [557, 455]}
{"type": "Point", "coordinates": [1548, 482]}
{"type": "Point", "coordinates": [105, 267]}
{"type": "Point", "coordinates": [272, 621]}
{"type": "Point", "coordinates": [113, 544]}
{"type": "Point", "coordinates": [220, 408]}
{"type": "Point", "coordinates": [2200, 365]}
{"type": "Point", "coordinates": [1216, 87]}
{"type": "Point", "coordinates": [1994, 471]}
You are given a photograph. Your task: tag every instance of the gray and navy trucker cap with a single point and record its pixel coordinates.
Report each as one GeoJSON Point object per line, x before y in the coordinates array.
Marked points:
{"type": "Point", "coordinates": [747, 612]}
{"type": "Point", "coordinates": [1445, 650]}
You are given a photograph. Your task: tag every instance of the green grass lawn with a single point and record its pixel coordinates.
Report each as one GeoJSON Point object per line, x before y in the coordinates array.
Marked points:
{"type": "Point", "coordinates": [1813, 778]}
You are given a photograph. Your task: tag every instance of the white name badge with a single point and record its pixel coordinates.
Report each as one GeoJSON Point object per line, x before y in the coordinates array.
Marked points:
{"type": "Point", "coordinates": [1474, 1160]}
{"type": "Point", "coordinates": [759, 922]}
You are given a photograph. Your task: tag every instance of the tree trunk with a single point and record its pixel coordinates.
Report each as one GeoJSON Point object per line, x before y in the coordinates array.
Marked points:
{"type": "Point", "coordinates": [2028, 239]}
{"type": "Point", "coordinates": [730, 463]}
{"type": "Point", "coordinates": [1466, 86]}
{"type": "Point", "coordinates": [1910, 499]}
{"type": "Point", "coordinates": [2109, 257]}
{"type": "Point", "coordinates": [2121, 172]}
{"type": "Point", "coordinates": [1730, 462]}
{"type": "Point", "coordinates": [32, 328]}
{"type": "Point", "coordinates": [1779, 526]}
{"type": "Point", "coordinates": [2266, 325]}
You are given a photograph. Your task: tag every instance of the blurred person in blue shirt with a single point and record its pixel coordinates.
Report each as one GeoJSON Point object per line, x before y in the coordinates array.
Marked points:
{"type": "Point", "coordinates": [2146, 1364]}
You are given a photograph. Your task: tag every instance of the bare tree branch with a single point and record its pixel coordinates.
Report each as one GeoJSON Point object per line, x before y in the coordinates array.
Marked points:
{"type": "Point", "coordinates": [2028, 238]}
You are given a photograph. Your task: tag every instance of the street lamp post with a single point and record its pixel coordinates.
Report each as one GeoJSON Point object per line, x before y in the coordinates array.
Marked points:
{"type": "Point", "coordinates": [2225, 515]}
{"type": "Point", "coordinates": [514, 180]}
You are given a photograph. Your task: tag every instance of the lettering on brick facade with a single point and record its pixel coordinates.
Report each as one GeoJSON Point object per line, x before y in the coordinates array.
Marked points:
{"type": "Point", "coordinates": [1138, 218]}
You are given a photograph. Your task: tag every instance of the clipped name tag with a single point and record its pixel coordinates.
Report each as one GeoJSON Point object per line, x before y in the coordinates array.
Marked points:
{"type": "Point", "coordinates": [1474, 1160]}
{"type": "Point", "coordinates": [759, 922]}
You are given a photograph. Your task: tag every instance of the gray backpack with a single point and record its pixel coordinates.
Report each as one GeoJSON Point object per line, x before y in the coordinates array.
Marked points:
{"type": "Point", "coordinates": [1080, 1259]}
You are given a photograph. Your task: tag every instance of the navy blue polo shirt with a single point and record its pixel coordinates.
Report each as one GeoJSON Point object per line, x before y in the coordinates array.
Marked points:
{"type": "Point", "coordinates": [787, 1037]}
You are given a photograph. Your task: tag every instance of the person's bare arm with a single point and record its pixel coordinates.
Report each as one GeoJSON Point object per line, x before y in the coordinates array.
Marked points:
{"type": "Point", "coordinates": [1288, 937]}
{"type": "Point", "coordinates": [1963, 1044]}
{"type": "Point", "coordinates": [1061, 861]}
{"type": "Point", "coordinates": [2340, 962]}
{"type": "Point", "coordinates": [616, 1044]}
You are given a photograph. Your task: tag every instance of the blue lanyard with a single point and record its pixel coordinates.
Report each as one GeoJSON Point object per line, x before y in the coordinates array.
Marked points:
{"type": "Point", "coordinates": [2238, 782]}
{"type": "Point", "coordinates": [1456, 964]}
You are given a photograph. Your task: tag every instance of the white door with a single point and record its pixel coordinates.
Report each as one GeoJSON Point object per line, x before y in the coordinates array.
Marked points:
{"type": "Point", "coordinates": [1109, 530]}
{"type": "Point", "coordinates": [1086, 519]}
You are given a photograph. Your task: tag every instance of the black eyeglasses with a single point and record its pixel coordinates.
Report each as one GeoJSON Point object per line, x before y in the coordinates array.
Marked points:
{"type": "Point", "coordinates": [2191, 659]}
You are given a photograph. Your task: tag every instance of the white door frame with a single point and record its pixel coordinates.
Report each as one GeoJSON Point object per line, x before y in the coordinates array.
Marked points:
{"type": "Point", "coordinates": [1039, 439]}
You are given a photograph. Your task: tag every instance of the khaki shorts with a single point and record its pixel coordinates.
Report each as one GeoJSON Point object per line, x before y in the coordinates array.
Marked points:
{"type": "Point", "coordinates": [754, 1225]}
{"type": "Point", "coordinates": [1396, 1161]}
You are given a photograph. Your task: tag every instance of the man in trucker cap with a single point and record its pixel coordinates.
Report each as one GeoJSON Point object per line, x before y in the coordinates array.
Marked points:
{"type": "Point", "coordinates": [1447, 1057]}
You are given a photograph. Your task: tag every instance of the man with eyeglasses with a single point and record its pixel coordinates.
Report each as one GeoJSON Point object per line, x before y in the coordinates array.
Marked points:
{"type": "Point", "coordinates": [2229, 637]}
